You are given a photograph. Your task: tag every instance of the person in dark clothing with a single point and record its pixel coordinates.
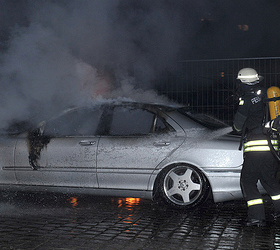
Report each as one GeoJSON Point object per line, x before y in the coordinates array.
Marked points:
{"type": "Point", "coordinates": [259, 163]}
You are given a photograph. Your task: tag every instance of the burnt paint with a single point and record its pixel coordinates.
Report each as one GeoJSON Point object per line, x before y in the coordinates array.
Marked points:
{"type": "Point", "coordinates": [36, 142]}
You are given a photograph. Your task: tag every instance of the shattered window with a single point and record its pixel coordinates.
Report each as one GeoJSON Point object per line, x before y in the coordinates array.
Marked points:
{"type": "Point", "coordinates": [79, 122]}
{"type": "Point", "coordinates": [131, 121]}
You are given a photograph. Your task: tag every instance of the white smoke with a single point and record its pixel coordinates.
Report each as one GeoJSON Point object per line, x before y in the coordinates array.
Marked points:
{"type": "Point", "coordinates": [93, 85]}
{"type": "Point", "coordinates": [60, 53]}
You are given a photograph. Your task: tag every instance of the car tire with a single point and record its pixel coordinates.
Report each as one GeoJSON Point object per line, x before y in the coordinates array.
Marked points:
{"type": "Point", "coordinates": [182, 186]}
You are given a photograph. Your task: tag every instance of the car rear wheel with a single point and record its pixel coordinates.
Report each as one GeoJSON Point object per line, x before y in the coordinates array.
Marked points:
{"type": "Point", "coordinates": [183, 186]}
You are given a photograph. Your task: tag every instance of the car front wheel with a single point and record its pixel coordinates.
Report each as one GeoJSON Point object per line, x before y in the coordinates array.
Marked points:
{"type": "Point", "coordinates": [183, 186]}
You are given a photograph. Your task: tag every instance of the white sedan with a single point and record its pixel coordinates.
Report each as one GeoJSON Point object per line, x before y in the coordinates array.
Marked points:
{"type": "Point", "coordinates": [125, 149]}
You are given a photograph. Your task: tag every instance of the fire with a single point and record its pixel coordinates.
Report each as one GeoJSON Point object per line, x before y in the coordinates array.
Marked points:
{"type": "Point", "coordinates": [73, 201]}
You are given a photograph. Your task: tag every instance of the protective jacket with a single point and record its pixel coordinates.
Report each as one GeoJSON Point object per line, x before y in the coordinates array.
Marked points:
{"type": "Point", "coordinates": [249, 120]}
{"type": "Point", "coordinates": [250, 113]}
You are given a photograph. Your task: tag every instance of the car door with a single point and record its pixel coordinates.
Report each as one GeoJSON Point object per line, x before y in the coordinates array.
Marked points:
{"type": "Point", "coordinates": [136, 142]}
{"type": "Point", "coordinates": [7, 149]}
{"type": "Point", "coordinates": [67, 151]}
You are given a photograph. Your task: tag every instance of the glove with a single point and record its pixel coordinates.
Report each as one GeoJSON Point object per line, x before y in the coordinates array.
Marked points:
{"type": "Point", "coordinates": [275, 124]}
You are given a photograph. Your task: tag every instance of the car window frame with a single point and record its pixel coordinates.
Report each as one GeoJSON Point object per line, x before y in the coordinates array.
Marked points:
{"type": "Point", "coordinates": [43, 124]}
{"type": "Point", "coordinates": [107, 117]}
{"type": "Point", "coordinates": [105, 122]}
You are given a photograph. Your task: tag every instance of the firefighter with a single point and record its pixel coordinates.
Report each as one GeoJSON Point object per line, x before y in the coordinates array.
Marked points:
{"type": "Point", "coordinates": [259, 163]}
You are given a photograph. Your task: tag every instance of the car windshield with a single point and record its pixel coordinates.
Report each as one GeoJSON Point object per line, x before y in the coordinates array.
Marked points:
{"type": "Point", "coordinates": [16, 128]}
{"type": "Point", "coordinates": [205, 120]}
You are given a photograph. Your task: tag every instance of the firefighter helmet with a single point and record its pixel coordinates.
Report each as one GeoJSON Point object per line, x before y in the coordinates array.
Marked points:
{"type": "Point", "coordinates": [249, 76]}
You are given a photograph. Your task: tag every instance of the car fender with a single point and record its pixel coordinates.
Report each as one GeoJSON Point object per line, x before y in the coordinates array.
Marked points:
{"type": "Point", "coordinates": [213, 158]}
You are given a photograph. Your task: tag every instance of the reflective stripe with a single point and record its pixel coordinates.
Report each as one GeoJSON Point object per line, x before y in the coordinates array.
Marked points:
{"type": "Point", "coordinates": [275, 197]}
{"type": "Point", "coordinates": [254, 202]}
{"type": "Point", "coordinates": [238, 130]}
{"type": "Point", "coordinates": [249, 76]}
{"type": "Point", "coordinates": [258, 148]}
{"type": "Point", "coordinates": [259, 145]}
{"type": "Point", "coordinates": [259, 142]}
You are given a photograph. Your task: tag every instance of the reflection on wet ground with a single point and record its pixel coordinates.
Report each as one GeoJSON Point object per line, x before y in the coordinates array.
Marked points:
{"type": "Point", "coordinates": [55, 221]}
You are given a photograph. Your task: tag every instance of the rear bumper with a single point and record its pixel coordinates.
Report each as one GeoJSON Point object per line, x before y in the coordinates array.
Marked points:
{"type": "Point", "coordinates": [225, 185]}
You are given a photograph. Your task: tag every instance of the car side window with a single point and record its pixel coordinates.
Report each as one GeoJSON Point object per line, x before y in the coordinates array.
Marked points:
{"type": "Point", "coordinates": [131, 121]}
{"type": "Point", "coordinates": [79, 122]}
{"type": "Point", "coordinates": [160, 126]}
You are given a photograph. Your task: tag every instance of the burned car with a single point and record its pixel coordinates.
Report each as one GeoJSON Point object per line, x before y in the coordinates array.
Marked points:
{"type": "Point", "coordinates": [125, 149]}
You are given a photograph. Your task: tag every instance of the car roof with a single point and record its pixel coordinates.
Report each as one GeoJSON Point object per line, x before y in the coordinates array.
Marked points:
{"type": "Point", "coordinates": [166, 107]}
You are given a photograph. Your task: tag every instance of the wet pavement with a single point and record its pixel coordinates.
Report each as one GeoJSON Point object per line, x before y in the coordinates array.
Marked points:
{"type": "Point", "coordinates": [60, 222]}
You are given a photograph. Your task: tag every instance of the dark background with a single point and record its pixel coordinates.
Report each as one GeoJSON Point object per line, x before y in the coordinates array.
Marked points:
{"type": "Point", "coordinates": [208, 28]}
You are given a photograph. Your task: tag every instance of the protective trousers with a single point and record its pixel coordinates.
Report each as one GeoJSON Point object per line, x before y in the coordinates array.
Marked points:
{"type": "Point", "coordinates": [259, 166]}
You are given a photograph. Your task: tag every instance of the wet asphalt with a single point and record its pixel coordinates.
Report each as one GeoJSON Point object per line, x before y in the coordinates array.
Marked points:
{"type": "Point", "coordinates": [60, 222]}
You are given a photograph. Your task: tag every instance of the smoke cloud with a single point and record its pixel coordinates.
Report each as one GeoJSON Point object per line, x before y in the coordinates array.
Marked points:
{"type": "Point", "coordinates": [59, 53]}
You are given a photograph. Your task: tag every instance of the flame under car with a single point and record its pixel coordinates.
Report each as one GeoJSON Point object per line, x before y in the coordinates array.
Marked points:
{"type": "Point", "coordinates": [125, 149]}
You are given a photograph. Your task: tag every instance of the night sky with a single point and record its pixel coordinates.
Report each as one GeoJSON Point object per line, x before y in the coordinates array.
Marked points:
{"type": "Point", "coordinates": [205, 29]}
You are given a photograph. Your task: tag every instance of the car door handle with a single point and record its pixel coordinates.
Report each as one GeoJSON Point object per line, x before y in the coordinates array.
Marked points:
{"type": "Point", "coordinates": [87, 143]}
{"type": "Point", "coordinates": [161, 143]}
